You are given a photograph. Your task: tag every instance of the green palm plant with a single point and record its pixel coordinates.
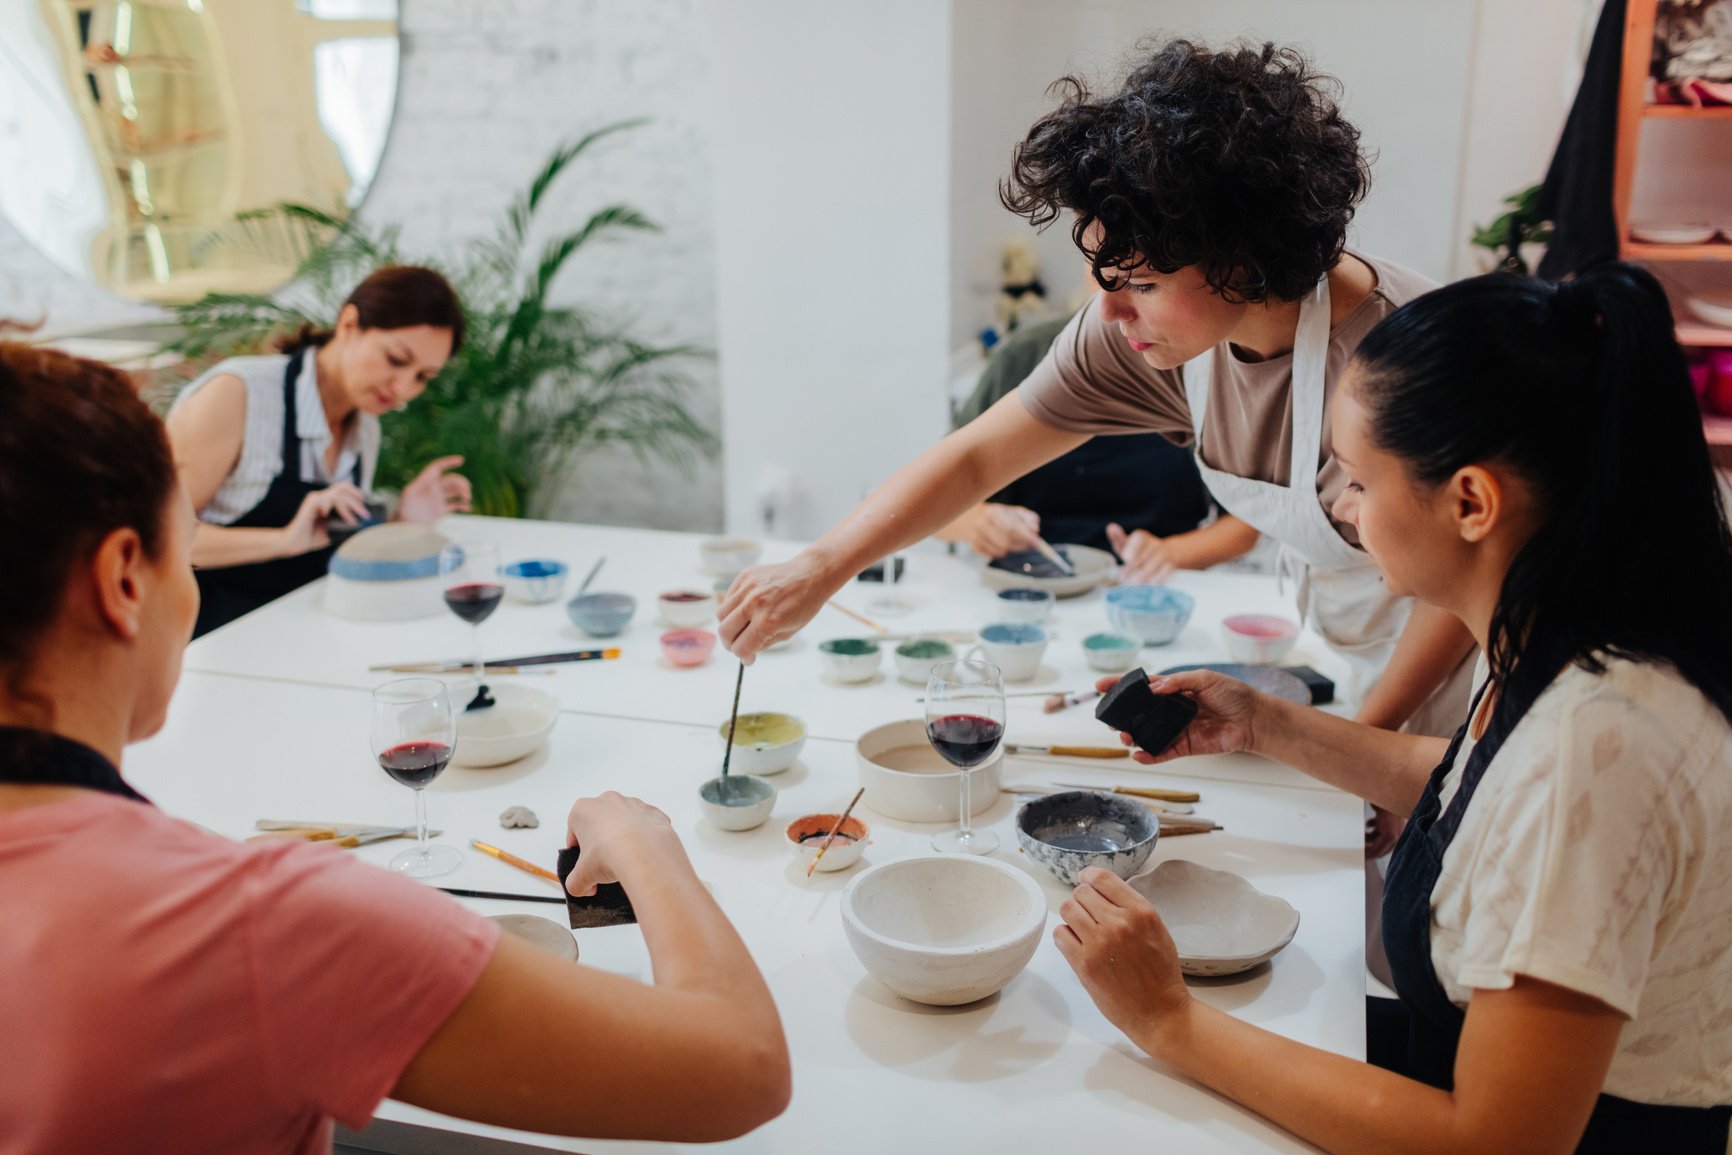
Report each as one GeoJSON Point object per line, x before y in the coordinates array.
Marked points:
{"type": "Point", "coordinates": [536, 384]}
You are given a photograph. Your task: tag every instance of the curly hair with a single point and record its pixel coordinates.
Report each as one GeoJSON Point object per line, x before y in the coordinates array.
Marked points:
{"type": "Point", "coordinates": [1238, 162]}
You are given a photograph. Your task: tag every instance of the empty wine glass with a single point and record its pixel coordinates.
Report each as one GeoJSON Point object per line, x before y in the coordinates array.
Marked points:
{"type": "Point", "coordinates": [414, 734]}
{"type": "Point", "coordinates": [965, 723]}
{"type": "Point", "coordinates": [469, 572]}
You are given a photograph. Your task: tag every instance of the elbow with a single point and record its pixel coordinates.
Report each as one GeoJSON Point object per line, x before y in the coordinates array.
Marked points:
{"type": "Point", "coordinates": [762, 1090]}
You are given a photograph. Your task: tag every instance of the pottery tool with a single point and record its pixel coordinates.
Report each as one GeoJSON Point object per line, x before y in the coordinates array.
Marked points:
{"type": "Point", "coordinates": [512, 860]}
{"type": "Point", "coordinates": [337, 829]}
{"type": "Point", "coordinates": [593, 570]}
{"type": "Point", "coordinates": [861, 618]}
{"type": "Point", "coordinates": [500, 665]}
{"type": "Point", "coordinates": [1157, 793]}
{"type": "Point", "coordinates": [1057, 702]}
{"type": "Point", "coordinates": [1042, 791]}
{"type": "Point", "coordinates": [1069, 751]}
{"type": "Point", "coordinates": [460, 892]}
{"type": "Point", "coordinates": [346, 838]}
{"type": "Point", "coordinates": [1055, 557]}
{"type": "Point", "coordinates": [1175, 829]}
{"type": "Point", "coordinates": [831, 837]}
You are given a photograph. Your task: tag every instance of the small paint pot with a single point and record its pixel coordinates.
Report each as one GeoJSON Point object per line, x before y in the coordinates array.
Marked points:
{"type": "Point", "coordinates": [850, 659]}
{"type": "Point", "coordinates": [915, 659]}
{"type": "Point", "coordinates": [534, 581]}
{"type": "Point", "coordinates": [601, 615]}
{"type": "Point", "coordinates": [687, 608]}
{"type": "Point", "coordinates": [1258, 638]}
{"type": "Point", "coordinates": [806, 835]}
{"type": "Point", "coordinates": [688, 647]}
{"type": "Point", "coordinates": [1111, 653]}
{"type": "Point", "coordinates": [737, 802]}
{"type": "Point", "coordinates": [1015, 648]}
{"type": "Point", "coordinates": [1024, 605]}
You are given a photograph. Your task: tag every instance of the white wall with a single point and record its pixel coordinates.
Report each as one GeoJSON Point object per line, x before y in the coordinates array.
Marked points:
{"type": "Point", "coordinates": [831, 162]}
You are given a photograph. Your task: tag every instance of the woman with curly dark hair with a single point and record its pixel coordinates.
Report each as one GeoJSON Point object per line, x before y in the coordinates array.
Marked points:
{"type": "Point", "coordinates": [1211, 194]}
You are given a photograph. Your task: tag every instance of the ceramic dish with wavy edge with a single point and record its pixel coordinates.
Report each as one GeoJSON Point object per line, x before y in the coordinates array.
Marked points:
{"type": "Point", "coordinates": [1026, 570]}
{"type": "Point", "coordinates": [1267, 679]}
{"type": "Point", "coordinates": [1220, 923]}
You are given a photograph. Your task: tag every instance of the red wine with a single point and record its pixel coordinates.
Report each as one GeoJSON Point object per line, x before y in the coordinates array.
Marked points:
{"type": "Point", "coordinates": [964, 739]}
{"type": "Point", "coordinates": [473, 602]}
{"type": "Point", "coordinates": [415, 764]}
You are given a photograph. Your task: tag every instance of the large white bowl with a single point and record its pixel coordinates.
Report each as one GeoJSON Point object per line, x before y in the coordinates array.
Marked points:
{"type": "Point", "coordinates": [944, 930]}
{"type": "Point", "coordinates": [516, 726]}
{"type": "Point", "coordinates": [905, 778]}
{"type": "Point", "coordinates": [1220, 923]}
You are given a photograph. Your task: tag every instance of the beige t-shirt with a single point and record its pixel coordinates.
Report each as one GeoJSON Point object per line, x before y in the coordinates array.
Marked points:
{"type": "Point", "coordinates": [1597, 855]}
{"type": "Point", "coordinates": [1093, 382]}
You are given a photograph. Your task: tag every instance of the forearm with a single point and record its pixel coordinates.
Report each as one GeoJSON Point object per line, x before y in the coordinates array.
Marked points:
{"type": "Point", "coordinates": [1340, 1104]}
{"type": "Point", "coordinates": [221, 545]}
{"type": "Point", "coordinates": [1433, 644]}
{"type": "Point", "coordinates": [1222, 540]}
{"type": "Point", "coordinates": [956, 529]}
{"type": "Point", "coordinates": [1384, 767]}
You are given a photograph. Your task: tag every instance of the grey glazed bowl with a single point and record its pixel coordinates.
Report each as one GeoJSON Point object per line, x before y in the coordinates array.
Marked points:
{"type": "Point", "coordinates": [1070, 832]}
{"type": "Point", "coordinates": [601, 615]}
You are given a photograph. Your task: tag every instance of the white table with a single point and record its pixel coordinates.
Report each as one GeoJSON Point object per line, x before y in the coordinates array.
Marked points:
{"type": "Point", "coordinates": [271, 720]}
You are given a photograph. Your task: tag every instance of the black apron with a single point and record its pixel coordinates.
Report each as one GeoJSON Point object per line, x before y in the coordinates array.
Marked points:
{"type": "Point", "coordinates": [228, 592]}
{"type": "Point", "coordinates": [38, 758]}
{"type": "Point", "coordinates": [1417, 1036]}
{"type": "Point", "coordinates": [1139, 480]}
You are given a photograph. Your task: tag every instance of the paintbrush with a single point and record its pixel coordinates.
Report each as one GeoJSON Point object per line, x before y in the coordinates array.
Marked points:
{"type": "Point", "coordinates": [593, 570]}
{"type": "Point", "coordinates": [1057, 702]}
{"type": "Point", "coordinates": [1055, 557]}
{"type": "Point", "coordinates": [454, 665]}
{"type": "Point", "coordinates": [1155, 792]}
{"type": "Point", "coordinates": [733, 720]}
{"type": "Point", "coordinates": [1043, 791]}
{"type": "Point", "coordinates": [512, 860]}
{"type": "Point", "coordinates": [861, 618]}
{"type": "Point", "coordinates": [1069, 751]}
{"type": "Point", "coordinates": [831, 837]}
{"type": "Point", "coordinates": [460, 892]}
{"type": "Point", "coordinates": [1015, 694]}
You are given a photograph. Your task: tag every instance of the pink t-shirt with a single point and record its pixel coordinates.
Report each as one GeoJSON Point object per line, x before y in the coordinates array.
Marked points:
{"type": "Point", "coordinates": [165, 989]}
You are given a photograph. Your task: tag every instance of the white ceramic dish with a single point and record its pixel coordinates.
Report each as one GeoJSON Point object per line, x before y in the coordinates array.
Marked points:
{"type": "Point", "coordinates": [1672, 234]}
{"type": "Point", "coordinates": [944, 930]}
{"type": "Point", "coordinates": [1258, 639]}
{"type": "Point", "coordinates": [515, 727]}
{"type": "Point", "coordinates": [534, 580]}
{"type": "Point", "coordinates": [1111, 653]}
{"type": "Point", "coordinates": [1220, 923]}
{"type": "Point", "coordinates": [765, 756]}
{"type": "Point", "coordinates": [687, 609]}
{"type": "Point", "coordinates": [388, 573]}
{"type": "Point", "coordinates": [850, 660]}
{"type": "Point", "coordinates": [905, 778]}
{"type": "Point", "coordinates": [1714, 308]}
{"type": "Point", "coordinates": [727, 556]}
{"type": "Point", "coordinates": [1093, 567]}
{"type": "Point", "coordinates": [541, 932]}
{"type": "Point", "coordinates": [1016, 648]}
{"type": "Point", "coordinates": [1022, 604]}
{"type": "Point", "coordinates": [843, 852]}
{"type": "Point", "coordinates": [915, 659]}
{"type": "Point", "coordinates": [752, 800]}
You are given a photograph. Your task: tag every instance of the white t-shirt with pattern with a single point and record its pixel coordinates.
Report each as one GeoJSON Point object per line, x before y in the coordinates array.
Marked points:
{"type": "Point", "coordinates": [1597, 855]}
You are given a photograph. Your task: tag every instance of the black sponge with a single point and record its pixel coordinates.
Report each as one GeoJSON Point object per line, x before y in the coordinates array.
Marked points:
{"type": "Point", "coordinates": [1154, 721]}
{"type": "Point", "coordinates": [608, 906]}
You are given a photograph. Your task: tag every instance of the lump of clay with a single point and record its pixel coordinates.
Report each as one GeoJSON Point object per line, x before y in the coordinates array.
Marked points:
{"type": "Point", "coordinates": [519, 817]}
{"type": "Point", "coordinates": [1154, 721]}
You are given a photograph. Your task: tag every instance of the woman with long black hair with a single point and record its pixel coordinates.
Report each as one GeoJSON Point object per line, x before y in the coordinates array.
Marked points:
{"type": "Point", "coordinates": [1558, 918]}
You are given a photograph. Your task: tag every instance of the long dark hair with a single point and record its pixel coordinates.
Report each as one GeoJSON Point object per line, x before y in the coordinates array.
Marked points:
{"type": "Point", "coordinates": [394, 297]}
{"type": "Point", "coordinates": [1580, 387]}
{"type": "Point", "coordinates": [81, 455]}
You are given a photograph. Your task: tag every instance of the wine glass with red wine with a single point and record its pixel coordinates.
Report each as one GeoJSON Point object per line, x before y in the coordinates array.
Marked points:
{"type": "Point", "coordinates": [414, 734]}
{"type": "Point", "coordinates": [469, 571]}
{"type": "Point", "coordinates": [965, 723]}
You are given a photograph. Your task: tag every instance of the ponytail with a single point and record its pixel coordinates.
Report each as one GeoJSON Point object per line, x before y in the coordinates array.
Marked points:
{"type": "Point", "coordinates": [308, 336]}
{"type": "Point", "coordinates": [393, 297]}
{"type": "Point", "coordinates": [1582, 390]}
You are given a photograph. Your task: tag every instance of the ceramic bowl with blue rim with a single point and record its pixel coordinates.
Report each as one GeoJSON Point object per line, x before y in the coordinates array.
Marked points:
{"type": "Point", "coordinates": [535, 580]}
{"type": "Point", "coordinates": [1153, 615]}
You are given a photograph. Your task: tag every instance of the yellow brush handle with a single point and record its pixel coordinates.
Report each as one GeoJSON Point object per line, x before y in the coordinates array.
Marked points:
{"type": "Point", "coordinates": [1090, 751]}
{"type": "Point", "coordinates": [1158, 794]}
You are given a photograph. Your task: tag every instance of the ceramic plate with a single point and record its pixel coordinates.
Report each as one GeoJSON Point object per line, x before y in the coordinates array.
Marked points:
{"type": "Point", "coordinates": [1027, 569]}
{"type": "Point", "coordinates": [1273, 682]}
{"type": "Point", "coordinates": [1672, 234]}
{"type": "Point", "coordinates": [1221, 924]}
{"type": "Point", "coordinates": [1714, 308]}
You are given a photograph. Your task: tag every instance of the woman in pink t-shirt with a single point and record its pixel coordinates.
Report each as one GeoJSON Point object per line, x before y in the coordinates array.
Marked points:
{"type": "Point", "coordinates": [172, 990]}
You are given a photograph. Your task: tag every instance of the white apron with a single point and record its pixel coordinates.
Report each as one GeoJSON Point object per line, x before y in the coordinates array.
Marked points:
{"type": "Point", "coordinates": [1340, 589]}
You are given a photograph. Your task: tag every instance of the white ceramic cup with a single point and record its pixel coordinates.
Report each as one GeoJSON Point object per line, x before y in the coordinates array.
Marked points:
{"type": "Point", "coordinates": [1016, 648]}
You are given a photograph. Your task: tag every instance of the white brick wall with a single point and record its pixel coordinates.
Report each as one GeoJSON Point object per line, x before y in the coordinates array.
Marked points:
{"type": "Point", "coordinates": [488, 88]}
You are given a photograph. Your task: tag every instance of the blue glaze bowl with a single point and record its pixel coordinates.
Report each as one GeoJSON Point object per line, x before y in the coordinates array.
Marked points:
{"type": "Point", "coordinates": [1070, 832]}
{"type": "Point", "coordinates": [534, 581]}
{"type": "Point", "coordinates": [601, 615]}
{"type": "Point", "coordinates": [1153, 615]}
{"type": "Point", "coordinates": [1111, 653]}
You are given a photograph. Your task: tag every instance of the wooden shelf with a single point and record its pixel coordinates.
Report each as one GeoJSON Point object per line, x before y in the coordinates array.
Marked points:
{"type": "Point", "coordinates": [1717, 251]}
{"type": "Point", "coordinates": [1702, 336]}
{"type": "Point", "coordinates": [1686, 112]}
{"type": "Point", "coordinates": [1718, 430]}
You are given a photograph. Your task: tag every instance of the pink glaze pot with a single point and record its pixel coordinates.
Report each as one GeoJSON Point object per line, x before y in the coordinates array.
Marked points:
{"type": "Point", "coordinates": [688, 647]}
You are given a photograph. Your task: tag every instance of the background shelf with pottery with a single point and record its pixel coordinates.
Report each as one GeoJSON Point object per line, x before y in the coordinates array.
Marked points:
{"type": "Point", "coordinates": [1673, 169]}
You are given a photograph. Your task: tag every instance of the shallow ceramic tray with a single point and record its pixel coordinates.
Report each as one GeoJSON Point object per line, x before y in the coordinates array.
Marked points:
{"type": "Point", "coordinates": [1221, 924]}
{"type": "Point", "coordinates": [1672, 234]}
{"type": "Point", "coordinates": [1269, 680]}
{"type": "Point", "coordinates": [1093, 566]}
{"type": "Point", "coordinates": [1714, 308]}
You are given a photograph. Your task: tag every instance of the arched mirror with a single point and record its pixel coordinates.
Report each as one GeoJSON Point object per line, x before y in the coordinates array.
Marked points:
{"type": "Point", "coordinates": [133, 132]}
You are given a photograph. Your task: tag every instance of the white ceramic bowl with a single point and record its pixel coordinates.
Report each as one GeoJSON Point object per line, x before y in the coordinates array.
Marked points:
{"type": "Point", "coordinates": [727, 556]}
{"type": "Point", "coordinates": [915, 659]}
{"type": "Point", "coordinates": [905, 778]}
{"type": "Point", "coordinates": [687, 609]}
{"type": "Point", "coordinates": [1109, 653]}
{"type": "Point", "coordinates": [1021, 604]}
{"type": "Point", "coordinates": [752, 800]}
{"type": "Point", "coordinates": [944, 930]}
{"type": "Point", "coordinates": [768, 744]}
{"type": "Point", "coordinates": [843, 852]}
{"type": "Point", "coordinates": [1015, 648]}
{"type": "Point", "coordinates": [534, 580]}
{"type": "Point", "coordinates": [516, 726]}
{"type": "Point", "coordinates": [1220, 923]}
{"type": "Point", "coordinates": [850, 660]}
{"type": "Point", "coordinates": [1259, 639]}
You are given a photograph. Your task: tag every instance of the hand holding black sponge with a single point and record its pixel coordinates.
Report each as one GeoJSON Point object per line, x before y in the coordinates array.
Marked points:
{"type": "Point", "coordinates": [608, 906]}
{"type": "Point", "coordinates": [1154, 721]}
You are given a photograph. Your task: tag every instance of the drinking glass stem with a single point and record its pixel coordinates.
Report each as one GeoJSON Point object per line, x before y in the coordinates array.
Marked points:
{"type": "Point", "coordinates": [967, 831]}
{"type": "Point", "coordinates": [480, 665]}
{"type": "Point", "coordinates": [421, 821]}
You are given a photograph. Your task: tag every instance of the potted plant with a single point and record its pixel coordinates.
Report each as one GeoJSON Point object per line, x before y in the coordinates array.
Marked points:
{"type": "Point", "coordinates": [536, 384]}
{"type": "Point", "coordinates": [1516, 239]}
